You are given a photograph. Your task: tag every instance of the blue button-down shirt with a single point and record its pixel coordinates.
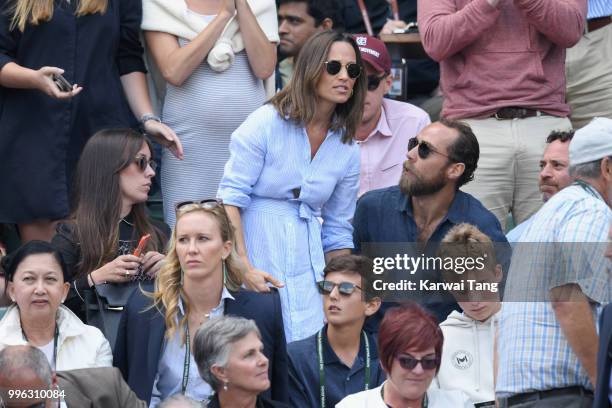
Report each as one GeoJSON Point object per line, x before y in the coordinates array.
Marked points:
{"type": "Point", "coordinates": [340, 380]}
{"type": "Point", "coordinates": [599, 8]}
{"type": "Point", "coordinates": [386, 216]}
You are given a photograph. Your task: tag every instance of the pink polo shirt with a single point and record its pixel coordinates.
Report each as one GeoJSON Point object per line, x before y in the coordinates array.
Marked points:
{"type": "Point", "coordinates": [384, 150]}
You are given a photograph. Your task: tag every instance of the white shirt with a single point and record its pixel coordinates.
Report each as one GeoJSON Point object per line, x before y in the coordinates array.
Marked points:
{"type": "Point", "coordinates": [436, 399]}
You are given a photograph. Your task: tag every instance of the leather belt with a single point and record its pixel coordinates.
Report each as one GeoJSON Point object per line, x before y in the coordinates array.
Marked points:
{"type": "Point", "coordinates": [597, 23]}
{"type": "Point", "coordinates": [538, 395]}
{"type": "Point", "coordinates": [516, 113]}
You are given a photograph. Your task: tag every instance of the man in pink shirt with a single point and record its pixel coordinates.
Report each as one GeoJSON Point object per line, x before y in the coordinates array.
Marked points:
{"type": "Point", "coordinates": [503, 73]}
{"type": "Point", "coordinates": [387, 125]}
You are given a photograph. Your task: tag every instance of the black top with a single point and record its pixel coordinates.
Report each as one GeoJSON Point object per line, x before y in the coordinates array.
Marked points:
{"type": "Point", "coordinates": [66, 243]}
{"type": "Point", "coordinates": [262, 402]}
{"type": "Point", "coordinates": [42, 137]}
{"type": "Point", "coordinates": [340, 380]}
{"type": "Point", "coordinates": [140, 339]}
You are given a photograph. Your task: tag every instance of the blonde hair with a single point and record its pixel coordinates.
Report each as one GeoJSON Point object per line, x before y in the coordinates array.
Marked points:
{"type": "Point", "coordinates": [168, 283]}
{"type": "Point", "coordinates": [37, 11]}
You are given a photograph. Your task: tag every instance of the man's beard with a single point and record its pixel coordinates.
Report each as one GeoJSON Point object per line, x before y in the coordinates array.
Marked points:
{"type": "Point", "coordinates": [419, 187]}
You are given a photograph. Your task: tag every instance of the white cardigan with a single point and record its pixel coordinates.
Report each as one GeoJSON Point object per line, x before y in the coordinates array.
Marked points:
{"type": "Point", "coordinates": [436, 399]}
{"type": "Point", "coordinates": [78, 345]}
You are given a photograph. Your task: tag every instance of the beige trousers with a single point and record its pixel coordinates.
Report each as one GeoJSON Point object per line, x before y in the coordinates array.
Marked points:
{"type": "Point", "coordinates": [588, 69]}
{"type": "Point", "coordinates": [506, 179]}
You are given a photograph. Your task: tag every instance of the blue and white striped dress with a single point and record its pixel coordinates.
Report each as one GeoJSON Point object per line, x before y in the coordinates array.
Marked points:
{"type": "Point", "coordinates": [204, 111]}
{"type": "Point", "coordinates": [269, 160]}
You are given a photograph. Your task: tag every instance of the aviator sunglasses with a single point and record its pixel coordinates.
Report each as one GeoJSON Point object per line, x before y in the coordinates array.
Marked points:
{"type": "Point", "coordinates": [344, 288]}
{"type": "Point", "coordinates": [333, 67]}
{"type": "Point", "coordinates": [410, 363]}
{"type": "Point", "coordinates": [142, 162]}
{"type": "Point", "coordinates": [425, 149]}
{"type": "Point", "coordinates": [206, 204]}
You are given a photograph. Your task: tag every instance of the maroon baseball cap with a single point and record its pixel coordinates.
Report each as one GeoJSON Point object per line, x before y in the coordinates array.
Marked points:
{"type": "Point", "coordinates": [374, 52]}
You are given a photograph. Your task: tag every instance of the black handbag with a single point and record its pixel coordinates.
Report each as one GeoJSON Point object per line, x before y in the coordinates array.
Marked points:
{"type": "Point", "coordinates": [105, 302]}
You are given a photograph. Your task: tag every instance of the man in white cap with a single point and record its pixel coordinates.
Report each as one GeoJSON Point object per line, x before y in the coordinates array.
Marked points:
{"type": "Point", "coordinates": [557, 283]}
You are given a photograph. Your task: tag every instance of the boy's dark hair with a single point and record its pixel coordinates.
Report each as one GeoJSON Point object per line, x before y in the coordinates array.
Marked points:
{"type": "Point", "coordinates": [322, 9]}
{"type": "Point", "coordinates": [354, 264]}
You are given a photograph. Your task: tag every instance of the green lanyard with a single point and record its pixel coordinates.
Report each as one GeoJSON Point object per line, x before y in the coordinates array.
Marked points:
{"type": "Point", "coordinates": [187, 360]}
{"type": "Point", "coordinates": [588, 188]}
{"type": "Point", "coordinates": [424, 404]}
{"type": "Point", "coordinates": [55, 337]}
{"type": "Point", "coordinates": [322, 365]}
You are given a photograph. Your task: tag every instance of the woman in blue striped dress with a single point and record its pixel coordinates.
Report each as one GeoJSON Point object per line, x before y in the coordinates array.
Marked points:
{"type": "Point", "coordinates": [205, 103]}
{"type": "Point", "coordinates": [292, 164]}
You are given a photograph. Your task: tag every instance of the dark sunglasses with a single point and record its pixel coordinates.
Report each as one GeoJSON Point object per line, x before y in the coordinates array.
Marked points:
{"type": "Point", "coordinates": [374, 81]}
{"type": "Point", "coordinates": [333, 67]}
{"type": "Point", "coordinates": [425, 149]}
{"type": "Point", "coordinates": [207, 204]}
{"type": "Point", "coordinates": [142, 162]}
{"type": "Point", "coordinates": [344, 288]}
{"type": "Point", "coordinates": [410, 363]}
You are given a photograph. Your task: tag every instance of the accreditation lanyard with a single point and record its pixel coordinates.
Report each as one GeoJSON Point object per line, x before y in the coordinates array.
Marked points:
{"type": "Point", "coordinates": [322, 365]}
{"type": "Point", "coordinates": [55, 337]}
{"type": "Point", "coordinates": [588, 188]}
{"type": "Point", "coordinates": [187, 360]}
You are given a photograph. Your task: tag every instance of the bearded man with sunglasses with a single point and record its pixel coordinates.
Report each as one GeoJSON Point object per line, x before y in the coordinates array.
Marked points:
{"type": "Point", "coordinates": [387, 125]}
{"type": "Point", "coordinates": [340, 359]}
{"type": "Point", "coordinates": [412, 218]}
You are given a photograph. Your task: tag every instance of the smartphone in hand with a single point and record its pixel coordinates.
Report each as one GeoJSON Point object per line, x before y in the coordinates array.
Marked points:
{"type": "Point", "coordinates": [141, 244]}
{"type": "Point", "coordinates": [62, 83]}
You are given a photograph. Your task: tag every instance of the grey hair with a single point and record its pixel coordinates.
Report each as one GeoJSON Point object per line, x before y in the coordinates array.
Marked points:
{"type": "Point", "coordinates": [179, 401]}
{"type": "Point", "coordinates": [213, 341]}
{"type": "Point", "coordinates": [590, 169]}
{"type": "Point", "coordinates": [17, 358]}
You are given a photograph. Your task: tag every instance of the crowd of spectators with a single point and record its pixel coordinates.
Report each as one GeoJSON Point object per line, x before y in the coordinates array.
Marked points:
{"type": "Point", "coordinates": [304, 206]}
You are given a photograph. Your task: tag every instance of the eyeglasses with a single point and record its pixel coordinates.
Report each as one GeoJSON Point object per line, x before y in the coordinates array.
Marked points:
{"type": "Point", "coordinates": [333, 67]}
{"type": "Point", "coordinates": [425, 149]}
{"type": "Point", "coordinates": [410, 363]}
{"type": "Point", "coordinates": [374, 81]}
{"type": "Point", "coordinates": [142, 162]}
{"type": "Point", "coordinates": [344, 288]}
{"type": "Point", "coordinates": [207, 204]}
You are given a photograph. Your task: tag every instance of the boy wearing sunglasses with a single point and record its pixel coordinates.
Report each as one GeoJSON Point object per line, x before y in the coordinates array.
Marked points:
{"type": "Point", "coordinates": [387, 125]}
{"type": "Point", "coordinates": [340, 359]}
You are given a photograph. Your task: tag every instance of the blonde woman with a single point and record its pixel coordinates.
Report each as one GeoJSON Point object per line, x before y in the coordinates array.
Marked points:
{"type": "Point", "coordinates": [92, 43]}
{"type": "Point", "coordinates": [201, 280]}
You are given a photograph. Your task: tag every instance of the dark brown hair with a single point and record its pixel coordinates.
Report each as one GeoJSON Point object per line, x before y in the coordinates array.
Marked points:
{"type": "Point", "coordinates": [97, 206]}
{"type": "Point", "coordinates": [298, 100]}
{"type": "Point", "coordinates": [465, 149]}
{"type": "Point", "coordinates": [354, 264]}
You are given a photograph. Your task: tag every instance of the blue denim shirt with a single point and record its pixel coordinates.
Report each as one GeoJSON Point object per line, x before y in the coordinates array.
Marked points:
{"type": "Point", "coordinates": [340, 380]}
{"type": "Point", "coordinates": [386, 216]}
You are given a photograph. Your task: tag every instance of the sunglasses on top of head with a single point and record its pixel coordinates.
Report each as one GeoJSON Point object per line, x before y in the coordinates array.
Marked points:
{"type": "Point", "coordinates": [410, 363]}
{"type": "Point", "coordinates": [206, 204]}
{"type": "Point", "coordinates": [374, 81]}
{"type": "Point", "coordinates": [344, 288]}
{"type": "Point", "coordinates": [425, 149]}
{"type": "Point", "coordinates": [333, 67]}
{"type": "Point", "coordinates": [142, 162]}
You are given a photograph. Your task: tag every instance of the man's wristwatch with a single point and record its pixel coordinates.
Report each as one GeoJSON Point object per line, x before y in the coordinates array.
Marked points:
{"type": "Point", "coordinates": [149, 116]}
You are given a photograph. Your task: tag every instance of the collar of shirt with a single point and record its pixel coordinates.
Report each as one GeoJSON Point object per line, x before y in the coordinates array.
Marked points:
{"type": "Point", "coordinates": [382, 127]}
{"type": "Point", "coordinates": [217, 310]}
{"type": "Point", "coordinates": [330, 357]}
{"type": "Point", "coordinates": [456, 212]}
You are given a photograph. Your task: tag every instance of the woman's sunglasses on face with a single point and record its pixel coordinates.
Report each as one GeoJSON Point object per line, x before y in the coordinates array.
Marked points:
{"type": "Point", "coordinates": [206, 204]}
{"type": "Point", "coordinates": [344, 288]}
{"type": "Point", "coordinates": [142, 162]}
{"type": "Point", "coordinates": [333, 67]}
{"type": "Point", "coordinates": [425, 149]}
{"type": "Point", "coordinates": [374, 81]}
{"type": "Point", "coordinates": [410, 363]}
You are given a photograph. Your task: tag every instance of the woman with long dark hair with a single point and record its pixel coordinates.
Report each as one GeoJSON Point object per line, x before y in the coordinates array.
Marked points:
{"type": "Point", "coordinates": [113, 179]}
{"type": "Point", "coordinates": [292, 162]}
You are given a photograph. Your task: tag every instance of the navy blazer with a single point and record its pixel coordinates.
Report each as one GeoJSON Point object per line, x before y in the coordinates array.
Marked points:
{"type": "Point", "coordinates": [141, 338]}
{"type": "Point", "coordinates": [604, 359]}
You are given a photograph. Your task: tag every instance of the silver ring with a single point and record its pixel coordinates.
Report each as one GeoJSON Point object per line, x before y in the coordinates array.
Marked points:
{"type": "Point", "coordinates": [127, 273]}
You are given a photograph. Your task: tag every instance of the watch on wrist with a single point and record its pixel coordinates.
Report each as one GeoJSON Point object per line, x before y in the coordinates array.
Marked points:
{"type": "Point", "coordinates": [149, 116]}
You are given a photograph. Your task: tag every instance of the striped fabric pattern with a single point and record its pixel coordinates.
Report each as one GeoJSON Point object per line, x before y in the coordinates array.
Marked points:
{"type": "Point", "coordinates": [204, 111]}
{"type": "Point", "coordinates": [534, 354]}
{"type": "Point", "coordinates": [599, 8]}
{"type": "Point", "coordinates": [269, 166]}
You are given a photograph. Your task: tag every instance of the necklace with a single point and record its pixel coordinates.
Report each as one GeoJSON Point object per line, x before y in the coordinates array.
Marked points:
{"type": "Point", "coordinates": [131, 224]}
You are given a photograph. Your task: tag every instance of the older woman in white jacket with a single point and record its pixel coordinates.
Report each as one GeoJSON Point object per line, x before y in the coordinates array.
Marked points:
{"type": "Point", "coordinates": [37, 287]}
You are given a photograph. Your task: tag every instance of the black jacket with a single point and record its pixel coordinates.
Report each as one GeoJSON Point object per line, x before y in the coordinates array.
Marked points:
{"type": "Point", "coordinates": [604, 359]}
{"type": "Point", "coordinates": [141, 338]}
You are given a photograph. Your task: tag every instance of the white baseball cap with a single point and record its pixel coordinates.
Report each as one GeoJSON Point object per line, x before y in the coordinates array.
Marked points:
{"type": "Point", "coordinates": [592, 142]}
